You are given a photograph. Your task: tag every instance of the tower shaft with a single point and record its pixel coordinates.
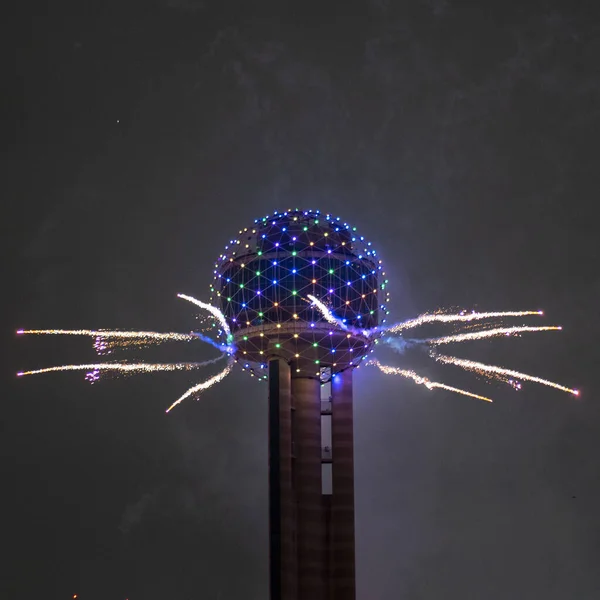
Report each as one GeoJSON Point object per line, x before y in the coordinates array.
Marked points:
{"type": "Point", "coordinates": [311, 532]}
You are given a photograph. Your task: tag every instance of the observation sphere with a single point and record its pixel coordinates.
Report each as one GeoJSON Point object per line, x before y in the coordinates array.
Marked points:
{"type": "Point", "coordinates": [263, 280]}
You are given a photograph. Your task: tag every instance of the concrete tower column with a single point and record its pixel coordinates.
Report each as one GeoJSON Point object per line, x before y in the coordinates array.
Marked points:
{"type": "Point", "coordinates": [306, 401]}
{"type": "Point", "coordinates": [282, 502]}
{"type": "Point", "coordinates": [342, 499]}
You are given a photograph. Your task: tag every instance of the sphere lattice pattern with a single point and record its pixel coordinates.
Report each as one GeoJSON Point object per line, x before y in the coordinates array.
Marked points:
{"type": "Point", "coordinates": [263, 280]}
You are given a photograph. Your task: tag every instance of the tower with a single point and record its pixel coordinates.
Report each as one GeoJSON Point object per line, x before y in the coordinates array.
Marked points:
{"type": "Point", "coordinates": [266, 284]}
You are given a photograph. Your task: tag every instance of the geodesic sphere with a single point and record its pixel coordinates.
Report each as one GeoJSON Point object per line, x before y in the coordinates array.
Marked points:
{"type": "Point", "coordinates": [263, 280]}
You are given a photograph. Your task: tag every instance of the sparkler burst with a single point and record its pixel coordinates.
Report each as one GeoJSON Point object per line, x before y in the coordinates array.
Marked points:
{"type": "Point", "coordinates": [108, 334]}
{"type": "Point", "coordinates": [125, 367]}
{"type": "Point", "coordinates": [482, 369]}
{"type": "Point", "coordinates": [204, 385]}
{"type": "Point", "coordinates": [482, 335]}
{"type": "Point", "coordinates": [306, 288]}
{"type": "Point", "coordinates": [418, 379]}
{"type": "Point", "coordinates": [462, 317]}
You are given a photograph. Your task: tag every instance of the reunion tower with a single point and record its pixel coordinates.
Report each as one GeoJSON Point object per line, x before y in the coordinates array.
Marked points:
{"type": "Point", "coordinates": [262, 284]}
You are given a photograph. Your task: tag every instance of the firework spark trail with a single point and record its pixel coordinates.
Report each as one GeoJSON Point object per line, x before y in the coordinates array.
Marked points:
{"type": "Point", "coordinates": [213, 310]}
{"type": "Point", "coordinates": [483, 369]}
{"type": "Point", "coordinates": [455, 318]}
{"type": "Point", "coordinates": [481, 335]}
{"type": "Point", "coordinates": [205, 384]}
{"type": "Point", "coordinates": [126, 367]}
{"type": "Point", "coordinates": [421, 380]}
{"type": "Point", "coordinates": [327, 314]}
{"type": "Point", "coordinates": [141, 335]}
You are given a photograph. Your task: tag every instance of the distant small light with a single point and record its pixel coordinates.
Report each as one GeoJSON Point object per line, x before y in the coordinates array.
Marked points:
{"type": "Point", "coordinates": [312, 324]}
{"type": "Point", "coordinates": [294, 271]}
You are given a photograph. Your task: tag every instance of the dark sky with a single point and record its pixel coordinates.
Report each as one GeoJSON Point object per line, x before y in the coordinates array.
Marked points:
{"type": "Point", "coordinates": [138, 137]}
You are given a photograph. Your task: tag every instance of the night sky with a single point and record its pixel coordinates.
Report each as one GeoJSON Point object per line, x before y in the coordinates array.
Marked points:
{"type": "Point", "coordinates": [138, 137]}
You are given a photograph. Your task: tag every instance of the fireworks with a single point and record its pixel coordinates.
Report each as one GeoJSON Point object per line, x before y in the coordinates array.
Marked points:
{"type": "Point", "coordinates": [418, 379]}
{"type": "Point", "coordinates": [481, 335]}
{"type": "Point", "coordinates": [462, 317]}
{"type": "Point", "coordinates": [327, 314]}
{"type": "Point", "coordinates": [204, 385]}
{"type": "Point", "coordinates": [213, 310]}
{"type": "Point", "coordinates": [482, 369]}
{"type": "Point", "coordinates": [106, 340]}
{"type": "Point", "coordinates": [277, 284]}
{"type": "Point", "coordinates": [125, 367]}
{"type": "Point", "coordinates": [108, 334]}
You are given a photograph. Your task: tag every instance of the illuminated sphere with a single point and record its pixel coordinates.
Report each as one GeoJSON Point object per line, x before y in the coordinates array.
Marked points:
{"type": "Point", "coordinates": [263, 279]}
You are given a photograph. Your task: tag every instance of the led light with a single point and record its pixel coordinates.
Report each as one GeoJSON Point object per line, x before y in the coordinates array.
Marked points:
{"type": "Point", "coordinates": [295, 335]}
